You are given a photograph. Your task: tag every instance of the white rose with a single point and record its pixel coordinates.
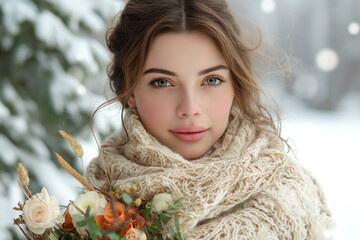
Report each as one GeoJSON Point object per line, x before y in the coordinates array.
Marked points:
{"type": "Point", "coordinates": [96, 202]}
{"type": "Point", "coordinates": [161, 202]}
{"type": "Point", "coordinates": [42, 212]}
{"type": "Point", "coordinates": [135, 234]}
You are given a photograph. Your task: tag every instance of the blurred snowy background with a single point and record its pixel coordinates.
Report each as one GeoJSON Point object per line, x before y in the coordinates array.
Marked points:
{"type": "Point", "coordinates": [52, 76]}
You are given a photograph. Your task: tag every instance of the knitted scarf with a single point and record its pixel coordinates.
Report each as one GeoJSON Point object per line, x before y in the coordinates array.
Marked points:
{"type": "Point", "coordinates": [244, 187]}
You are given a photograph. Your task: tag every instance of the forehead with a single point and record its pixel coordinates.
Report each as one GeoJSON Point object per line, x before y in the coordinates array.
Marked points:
{"type": "Point", "coordinates": [185, 50]}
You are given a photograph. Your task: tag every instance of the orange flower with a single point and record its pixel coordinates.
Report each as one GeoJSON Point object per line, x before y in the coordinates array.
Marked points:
{"type": "Point", "coordinates": [68, 225]}
{"type": "Point", "coordinates": [135, 220]}
{"type": "Point", "coordinates": [108, 221]}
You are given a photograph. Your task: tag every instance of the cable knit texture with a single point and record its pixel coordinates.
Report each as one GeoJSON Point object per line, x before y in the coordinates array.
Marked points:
{"type": "Point", "coordinates": [245, 187]}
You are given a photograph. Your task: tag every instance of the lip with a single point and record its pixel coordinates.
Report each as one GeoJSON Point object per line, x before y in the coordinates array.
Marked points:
{"type": "Point", "coordinates": [189, 133]}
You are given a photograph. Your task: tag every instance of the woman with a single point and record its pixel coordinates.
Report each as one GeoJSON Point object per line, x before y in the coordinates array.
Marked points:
{"type": "Point", "coordinates": [195, 127]}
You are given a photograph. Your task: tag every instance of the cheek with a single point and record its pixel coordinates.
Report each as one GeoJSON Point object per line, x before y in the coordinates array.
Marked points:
{"type": "Point", "coordinates": [220, 106]}
{"type": "Point", "coordinates": [153, 111]}
{"type": "Point", "coordinates": [224, 104]}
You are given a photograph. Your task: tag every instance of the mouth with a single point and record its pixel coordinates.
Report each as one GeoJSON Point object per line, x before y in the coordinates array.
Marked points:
{"type": "Point", "coordinates": [189, 133]}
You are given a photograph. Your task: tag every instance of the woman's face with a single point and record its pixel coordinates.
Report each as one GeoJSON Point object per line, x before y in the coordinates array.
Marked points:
{"type": "Point", "coordinates": [185, 93]}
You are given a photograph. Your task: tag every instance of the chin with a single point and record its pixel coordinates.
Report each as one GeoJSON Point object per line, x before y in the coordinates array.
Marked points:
{"type": "Point", "coordinates": [192, 156]}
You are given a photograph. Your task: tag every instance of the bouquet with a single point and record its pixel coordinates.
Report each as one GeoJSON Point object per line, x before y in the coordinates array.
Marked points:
{"type": "Point", "coordinates": [96, 214]}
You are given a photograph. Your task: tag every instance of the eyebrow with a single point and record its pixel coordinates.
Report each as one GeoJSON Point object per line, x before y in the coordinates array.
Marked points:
{"type": "Point", "coordinates": [166, 72]}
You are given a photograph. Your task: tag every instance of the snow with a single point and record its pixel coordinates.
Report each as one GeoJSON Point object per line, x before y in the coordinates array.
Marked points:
{"type": "Point", "coordinates": [9, 93]}
{"type": "Point", "coordinates": [4, 111]}
{"type": "Point", "coordinates": [39, 148]}
{"type": "Point", "coordinates": [78, 12]}
{"type": "Point", "coordinates": [327, 144]}
{"type": "Point", "coordinates": [22, 53]}
{"type": "Point", "coordinates": [84, 12]}
{"type": "Point", "coordinates": [7, 213]}
{"type": "Point", "coordinates": [80, 51]}
{"type": "Point", "coordinates": [6, 42]}
{"type": "Point", "coordinates": [9, 156]}
{"type": "Point", "coordinates": [21, 106]}
{"type": "Point", "coordinates": [77, 50]}
{"type": "Point", "coordinates": [98, 51]}
{"type": "Point", "coordinates": [62, 86]}
{"type": "Point", "coordinates": [16, 12]}
{"type": "Point", "coordinates": [18, 126]}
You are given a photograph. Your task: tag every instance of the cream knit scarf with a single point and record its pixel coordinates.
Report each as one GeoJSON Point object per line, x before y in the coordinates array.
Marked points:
{"type": "Point", "coordinates": [224, 189]}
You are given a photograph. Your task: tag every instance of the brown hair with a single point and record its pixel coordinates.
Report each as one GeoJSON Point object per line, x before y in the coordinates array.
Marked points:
{"type": "Point", "coordinates": [142, 20]}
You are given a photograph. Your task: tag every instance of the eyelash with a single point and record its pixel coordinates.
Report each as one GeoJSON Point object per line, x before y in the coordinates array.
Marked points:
{"type": "Point", "coordinates": [221, 81]}
{"type": "Point", "coordinates": [153, 82]}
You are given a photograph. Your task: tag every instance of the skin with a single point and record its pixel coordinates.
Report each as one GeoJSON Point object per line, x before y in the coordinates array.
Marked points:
{"type": "Point", "coordinates": [185, 83]}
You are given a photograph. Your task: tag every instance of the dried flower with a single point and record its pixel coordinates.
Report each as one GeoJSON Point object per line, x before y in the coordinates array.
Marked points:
{"type": "Point", "coordinates": [68, 225]}
{"type": "Point", "coordinates": [127, 190]}
{"type": "Point", "coordinates": [137, 202]}
{"type": "Point", "coordinates": [133, 187]}
{"type": "Point", "coordinates": [23, 175]}
{"type": "Point", "coordinates": [73, 172]}
{"type": "Point", "coordinates": [74, 144]}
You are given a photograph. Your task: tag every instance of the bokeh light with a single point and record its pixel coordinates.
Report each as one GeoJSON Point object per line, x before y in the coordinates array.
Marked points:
{"type": "Point", "coordinates": [354, 28]}
{"type": "Point", "coordinates": [268, 6]}
{"type": "Point", "coordinates": [327, 60]}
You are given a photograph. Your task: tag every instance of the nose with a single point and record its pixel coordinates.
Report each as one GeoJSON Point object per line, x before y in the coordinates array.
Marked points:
{"type": "Point", "coordinates": [188, 106]}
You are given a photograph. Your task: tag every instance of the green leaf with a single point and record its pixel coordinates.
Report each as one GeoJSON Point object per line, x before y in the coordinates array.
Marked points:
{"type": "Point", "coordinates": [177, 226]}
{"type": "Point", "coordinates": [180, 236]}
{"type": "Point", "coordinates": [127, 199]}
{"type": "Point", "coordinates": [146, 212]}
{"type": "Point", "coordinates": [160, 237]}
{"type": "Point", "coordinates": [171, 230]}
{"type": "Point", "coordinates": [87, 213]}
{"type": "Point", "coordinates": [151, 235]}
{"type": "Point", "coordinates": [171, 211]}
{"type": "Point", "coordinates": [56, 233]}
{"type": "Point", "coordinates": [159, 226]}
{"type": "Point", "coordinates": [178, 202]}
{"type": "Point", "coordinates": [78, 217]}
{"type": "Point", "coordinates": [93, 228]}
{"type": "Point", "coordinates": [81, 223]}
{"type": "Point", "coordinates": [164, 218]}
{"type": "Point", "coordinates": [114, 236]}
{"type": "Point", "coordinates": [153, 230]}
{"type": "Point", "coordinates": [46, 234]}
{"type": "Point", "coordinates": [176, 207]}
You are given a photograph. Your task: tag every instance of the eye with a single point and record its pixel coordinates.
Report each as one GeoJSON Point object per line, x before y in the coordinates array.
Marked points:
{"type": "Point", "coordinates": [160, 83]}
{"type": "Point", "coordinates": [213, 81]}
